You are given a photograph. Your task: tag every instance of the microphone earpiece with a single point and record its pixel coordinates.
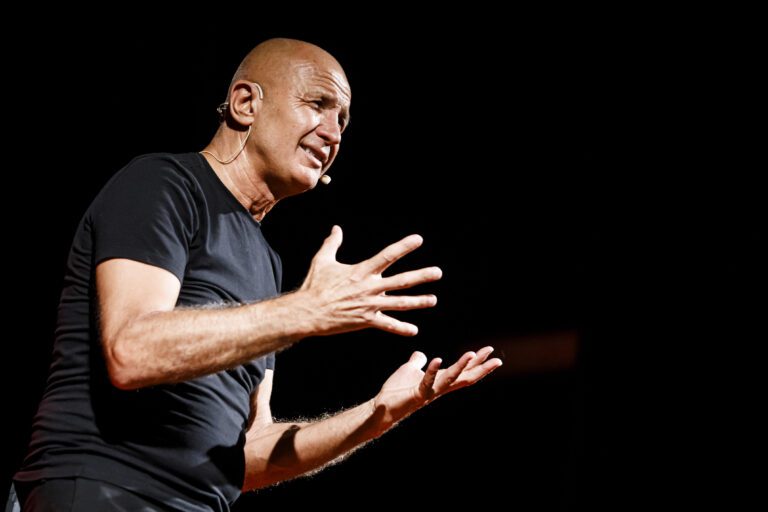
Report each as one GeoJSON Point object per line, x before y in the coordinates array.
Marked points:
{"type": "Point", "coordinates": [325, 179]}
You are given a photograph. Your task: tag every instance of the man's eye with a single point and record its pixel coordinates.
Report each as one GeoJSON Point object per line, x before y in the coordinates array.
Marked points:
{"type": "Point", "coordinates": [316, 104]}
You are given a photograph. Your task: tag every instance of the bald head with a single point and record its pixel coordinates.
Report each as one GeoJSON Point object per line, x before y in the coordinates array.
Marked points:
{"type": "Point", "coordinates": [292, 100]}
{"type": "Point", "coordinates": [272, 61]}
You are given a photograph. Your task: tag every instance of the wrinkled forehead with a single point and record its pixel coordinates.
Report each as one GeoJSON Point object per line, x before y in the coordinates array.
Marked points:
{"type": "Point", "coordinates": [311, 76]}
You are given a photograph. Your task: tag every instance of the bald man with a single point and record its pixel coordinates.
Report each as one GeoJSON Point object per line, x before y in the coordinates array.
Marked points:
{"type": "Point", "coordinates": [159, 392]}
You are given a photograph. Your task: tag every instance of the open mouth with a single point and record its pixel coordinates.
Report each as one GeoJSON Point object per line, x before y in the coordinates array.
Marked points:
{"type": "Point", "coordinates": [318, 158]}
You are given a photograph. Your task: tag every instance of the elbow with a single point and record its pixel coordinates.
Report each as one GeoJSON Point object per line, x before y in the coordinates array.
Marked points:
{"type": "Point", "coordinates": [123, 380]}
{"type": "Point", "coordinates": [122, 367]}
{"type": "Point", "coordinates": [264, 479]}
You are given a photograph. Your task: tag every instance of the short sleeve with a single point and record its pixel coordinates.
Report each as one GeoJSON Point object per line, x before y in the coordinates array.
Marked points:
{"type": "Point", "coordinates": [146, 213]}
{"type": "Point", "coordinates": [271, 361]}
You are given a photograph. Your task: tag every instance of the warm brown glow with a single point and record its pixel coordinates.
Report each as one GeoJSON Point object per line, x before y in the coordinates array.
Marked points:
{"type": "Point", "coordinates": [537, 353]}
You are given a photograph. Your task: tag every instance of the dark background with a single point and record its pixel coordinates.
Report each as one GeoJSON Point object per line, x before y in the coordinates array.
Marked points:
{"type": "Point", "coordinates": [574, 181]}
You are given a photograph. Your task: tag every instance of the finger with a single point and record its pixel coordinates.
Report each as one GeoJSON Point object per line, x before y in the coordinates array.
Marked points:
{"type": "Point", "coordinates": [331, 244]}
{"type": "Point", "coordinates": [418, 359]}
{"type": "Point", "coordinates": [450, 374]}
{"type": "Point", "coordinates": [480, 358]}
{"type": "Point", "coordinates": [409, 279]}
{"type": "Point", "coordinates": [427, 386]}
{"type": "Point", "coordinates": [472, 376]}
{"type": "Point", "coordinates": [391, 254]}
{"type": "Point", "coordinates": [406, 303]}
{"type": "Point", "coordinates": [393, 325]}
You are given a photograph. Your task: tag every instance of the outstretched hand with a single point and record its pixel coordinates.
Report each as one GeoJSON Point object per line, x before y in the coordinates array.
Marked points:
{"type": "Point", "coordinates": [342, 298]}
{"type": "Point", "coordinates": [410, 388]}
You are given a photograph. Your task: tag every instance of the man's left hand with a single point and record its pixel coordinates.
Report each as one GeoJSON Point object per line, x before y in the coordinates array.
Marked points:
{"type": "Point", "coordinates": [410, 388]}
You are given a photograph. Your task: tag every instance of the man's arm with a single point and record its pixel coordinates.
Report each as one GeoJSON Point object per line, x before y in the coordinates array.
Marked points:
{"type": "Point", "coordinates": [275, 452]}
{"type": "Point", "coordinates": [147, 342]}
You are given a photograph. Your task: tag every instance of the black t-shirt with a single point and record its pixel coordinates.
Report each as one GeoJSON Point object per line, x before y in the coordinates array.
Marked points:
{"type": "Point", "coordinates": [180, 444]}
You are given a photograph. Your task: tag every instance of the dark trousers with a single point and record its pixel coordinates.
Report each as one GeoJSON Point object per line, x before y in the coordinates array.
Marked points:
{"type": "Point", "coordinates": [79, 495]}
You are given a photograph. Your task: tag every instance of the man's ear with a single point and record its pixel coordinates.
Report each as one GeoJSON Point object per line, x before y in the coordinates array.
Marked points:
{"type": "Point", "coordinates": [245, 102]}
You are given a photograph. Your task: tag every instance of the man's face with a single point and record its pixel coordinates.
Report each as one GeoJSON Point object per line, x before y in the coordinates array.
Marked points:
{"type": "Point", "coordinates": [298, 130]}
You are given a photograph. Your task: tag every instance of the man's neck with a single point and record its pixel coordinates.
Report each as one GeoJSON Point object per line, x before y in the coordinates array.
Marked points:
{"type": "Point", "coordinates": [240, 177]}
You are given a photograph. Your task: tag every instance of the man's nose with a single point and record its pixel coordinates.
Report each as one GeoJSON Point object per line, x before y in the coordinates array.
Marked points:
{"type": "Point", "coordinates": [329, 129]}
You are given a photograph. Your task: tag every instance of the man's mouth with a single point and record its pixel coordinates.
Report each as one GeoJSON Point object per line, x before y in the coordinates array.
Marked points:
{"type": "Point", "coordinates": [316, 156]}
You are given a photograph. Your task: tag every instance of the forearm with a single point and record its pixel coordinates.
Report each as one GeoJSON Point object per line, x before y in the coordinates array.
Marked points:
{"type": "Point", "coordinates": [182, 344]}
{"type": "Point", "coordinates": [282, 451]}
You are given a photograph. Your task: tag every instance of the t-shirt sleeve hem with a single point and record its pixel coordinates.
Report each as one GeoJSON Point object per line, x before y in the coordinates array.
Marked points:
{"type": "Point", "coordinates": [156, 260]}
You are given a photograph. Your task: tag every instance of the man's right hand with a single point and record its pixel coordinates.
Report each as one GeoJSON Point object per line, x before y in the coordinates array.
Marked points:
{"type": "Point", "coordinates": [148, 341]}
{"type": "Point", "coordinates": [342, 298]}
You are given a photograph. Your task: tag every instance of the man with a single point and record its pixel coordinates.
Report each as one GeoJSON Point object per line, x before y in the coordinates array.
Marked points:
{"type": "Point", "coordinates": [159, 392]}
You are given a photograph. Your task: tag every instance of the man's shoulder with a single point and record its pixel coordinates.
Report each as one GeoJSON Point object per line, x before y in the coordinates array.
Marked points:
{"type": "Point", "coordinates": [156, 169]}
{"type": "Point", "coordinates": [153, 176]}
{"type": "Point", "coordinates": [178, 163]}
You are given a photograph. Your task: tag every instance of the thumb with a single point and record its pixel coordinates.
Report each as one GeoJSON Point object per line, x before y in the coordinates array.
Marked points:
{"type": "Point", "coordinates": [418, 359]}
{"type": "Point", "coordinates": [331, 244]}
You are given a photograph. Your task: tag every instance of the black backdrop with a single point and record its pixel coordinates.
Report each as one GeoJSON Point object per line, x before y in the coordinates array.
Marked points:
{"type": "Point", "coordinates": [548, 169]}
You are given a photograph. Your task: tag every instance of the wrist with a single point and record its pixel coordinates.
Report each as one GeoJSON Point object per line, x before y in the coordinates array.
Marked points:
{"type": "Point", "coordinates": [380, 420]}
{"type": "Point", "coordinates": [386, 414]}
{"type": "Point", "coordinates": [297, 319]}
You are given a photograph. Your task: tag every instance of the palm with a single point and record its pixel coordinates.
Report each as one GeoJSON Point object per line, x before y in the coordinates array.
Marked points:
{"type": "Point", "coordinates": [409, 388]}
